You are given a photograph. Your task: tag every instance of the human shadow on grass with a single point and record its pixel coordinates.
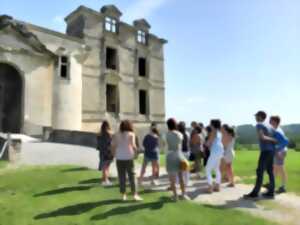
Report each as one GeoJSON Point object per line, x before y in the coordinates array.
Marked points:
{"type": "Point", "coordinates": [77, 209]}
{"type": "Point", "coordinates": [96, 181]}
{"type": "Point", "coordinates": [64, 190]}
{"type": "Point", "coordinates": [76, 169]}
{"type": "Point", "coordinates": [125, 210]}
{"type": "Point", "coordinates": [239, 203]}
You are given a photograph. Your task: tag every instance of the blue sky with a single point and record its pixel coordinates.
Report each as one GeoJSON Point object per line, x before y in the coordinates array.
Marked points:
{"type": "Point", "coordinates": [225, 58]}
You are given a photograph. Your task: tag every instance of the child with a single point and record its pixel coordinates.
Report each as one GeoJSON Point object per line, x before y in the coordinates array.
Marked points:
{"type": "Point", "coordinates": [280, 154]}
{"type": "Point", "coordinates": [229, 154]}
{"type": "Point", "coordinates": [104, 140]}
{"type": "Point", "coordinates": [151, 146]}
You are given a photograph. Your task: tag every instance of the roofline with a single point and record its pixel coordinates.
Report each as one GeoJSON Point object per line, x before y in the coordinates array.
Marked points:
{"type": "Point", "coordinates": [53, 32]}
{"type": "Point", "coordinates": [82, 7]}
{"type": "Point", "coordinates": [96, 13]}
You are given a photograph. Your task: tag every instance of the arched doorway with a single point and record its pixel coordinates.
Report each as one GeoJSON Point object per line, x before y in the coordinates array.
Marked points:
{"type": "Point", "coordinates": [11, 95]}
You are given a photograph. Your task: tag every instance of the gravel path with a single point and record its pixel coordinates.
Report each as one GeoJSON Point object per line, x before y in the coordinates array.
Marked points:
{"type": "Point", "coordinates": [283, 210]}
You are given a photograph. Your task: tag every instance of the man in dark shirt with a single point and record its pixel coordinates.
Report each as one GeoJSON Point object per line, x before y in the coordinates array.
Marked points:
{"type": "Point", "coordinates": [266, 158]}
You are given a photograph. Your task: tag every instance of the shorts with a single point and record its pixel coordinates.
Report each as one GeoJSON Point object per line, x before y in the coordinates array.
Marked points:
{"type": "Point", "coordinates": [279, 158]}
{"type": "Point", "coordinates": [228, 156]}
{"type": "Point", "coordinates": [150, 160]}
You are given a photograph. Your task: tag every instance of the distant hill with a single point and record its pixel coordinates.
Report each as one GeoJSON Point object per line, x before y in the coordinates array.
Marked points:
{"type": "Point", "coordinates": [247, 133]}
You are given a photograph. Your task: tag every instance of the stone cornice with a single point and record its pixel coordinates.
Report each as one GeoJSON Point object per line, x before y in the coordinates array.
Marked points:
{"type": "Point", "coordinates": [30, 38]}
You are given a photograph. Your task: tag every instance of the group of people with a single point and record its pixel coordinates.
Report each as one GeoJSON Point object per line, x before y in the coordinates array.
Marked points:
{"type": "Point", "coordinates": [209, 148]}
{"type": "Point", "coordinates": [213, 145]}
{"type": "Point", "coordinates": [203, 147]}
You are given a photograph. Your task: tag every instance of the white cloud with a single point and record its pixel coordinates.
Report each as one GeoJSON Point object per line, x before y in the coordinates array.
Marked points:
{"type": "Point", "coordinates": [143, 9]}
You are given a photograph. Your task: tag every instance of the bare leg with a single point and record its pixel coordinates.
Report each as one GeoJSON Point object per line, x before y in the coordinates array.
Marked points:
{"type": "Point", "coordinates": [143, 170]}
{"type": "Point", "coordinates": [105, 173]}
{"type": "Point", "coordinates": [172, 178]}
{"type": "Point", "coordinates": [155, 170]}
{"type": "Point", "coordinates": [181, 181]}
{"type": "Point", "coordinates": [282, 173]}
{"type": "Point", "coordinates": [230, 174]}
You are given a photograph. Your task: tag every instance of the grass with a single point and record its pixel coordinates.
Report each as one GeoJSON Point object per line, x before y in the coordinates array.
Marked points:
{"type": "Point", "coordinates": [246, 163]}
{"type": "Point", "coordinates": [3, 164]}
{"type": "Point", "coordinates": [73, 196]}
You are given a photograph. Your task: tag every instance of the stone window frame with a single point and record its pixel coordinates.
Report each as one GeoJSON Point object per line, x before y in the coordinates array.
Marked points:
{"type": "Point", "coordinates": [142, 37]}
{"type": "Point", "coordinates": [111, 24]}
{"type": "Point", "coordinates": [67, 65]}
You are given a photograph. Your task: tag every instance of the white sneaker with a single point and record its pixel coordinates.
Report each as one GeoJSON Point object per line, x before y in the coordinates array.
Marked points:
{"type": "Point", "coordinates": [124, 198]}
{"type": "Point", "coordinates": [137, 198]}
{"type": "Point", "coordinates": [155, 182]}
{"type": "Point", "coordinates": [107, 183]}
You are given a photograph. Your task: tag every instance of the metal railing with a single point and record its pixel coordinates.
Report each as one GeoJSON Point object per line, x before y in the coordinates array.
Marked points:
{"type": "Point", "coordinates": [5, 146]}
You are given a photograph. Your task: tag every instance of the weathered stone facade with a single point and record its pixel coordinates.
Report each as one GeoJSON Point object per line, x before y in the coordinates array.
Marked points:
{"type": "Point", "coordinates": [102, 68]}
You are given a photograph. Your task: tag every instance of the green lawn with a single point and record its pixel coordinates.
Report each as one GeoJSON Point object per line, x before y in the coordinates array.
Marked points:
{"type": "Point", "coordinates": [73, 196]}
{"type": "Point", "coordinates": [2, 164]}
{"type": "Point", "coordinates": [246, 162]}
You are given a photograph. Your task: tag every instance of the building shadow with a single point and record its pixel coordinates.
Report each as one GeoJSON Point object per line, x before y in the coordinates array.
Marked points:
{"type": "Point", "coordinates": [64, 190]}
{"type": "Point", "coordinates": [125, 210]}
{"type": "Point", "coordinates": [77, 209]}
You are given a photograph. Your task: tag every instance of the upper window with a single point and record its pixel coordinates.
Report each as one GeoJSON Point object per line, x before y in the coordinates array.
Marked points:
{"type": "Point", "coordinates": [110, 24]}
{"type": "Point", "coordinates": [142, 37]}
{"type": "Point", "coordinates": [64, 67]}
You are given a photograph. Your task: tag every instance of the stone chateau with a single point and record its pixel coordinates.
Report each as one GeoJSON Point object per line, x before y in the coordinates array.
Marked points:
{"type": "Point", "coordinates": [102, 68]}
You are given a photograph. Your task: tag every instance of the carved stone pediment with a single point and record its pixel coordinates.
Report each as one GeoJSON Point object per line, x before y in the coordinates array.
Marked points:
{"type": "Point", "coordinates": [10, 26]}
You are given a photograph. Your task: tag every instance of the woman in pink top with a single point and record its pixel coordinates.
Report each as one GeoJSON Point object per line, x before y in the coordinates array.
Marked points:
{"type": "Point", "coordinates": [125, 151]}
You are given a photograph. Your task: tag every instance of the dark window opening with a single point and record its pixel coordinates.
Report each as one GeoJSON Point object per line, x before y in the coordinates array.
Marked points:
{"type": "Point", "coordinates": [142, 67]}
{"type": "Point", "coordinates": [143, 102]}
{"type": "Point", "coordinates": [111, 58]}
{"type": "Point", "coordinates": [64, 67]}
{"type": "Point", "coordinates": [111, 98]}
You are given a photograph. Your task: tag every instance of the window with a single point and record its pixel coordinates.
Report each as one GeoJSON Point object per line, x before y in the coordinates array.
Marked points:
{"type": "Point", "coordinates": [64, 67]}
{"type": "Point", "coordinates": [111, 98]}
{"type": "Point", "coordinates": [143, 102]}
{"type": "Point", "coordinates": [110, 24]}
{"type": "Point", "coordinates": [111, 58]}
{"type": "Point", "coordinates": [142, 37]}
{"type": "Point", "coordinates": [142, 67]}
